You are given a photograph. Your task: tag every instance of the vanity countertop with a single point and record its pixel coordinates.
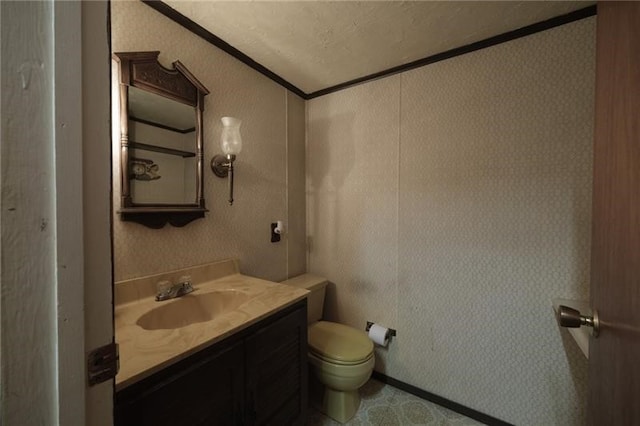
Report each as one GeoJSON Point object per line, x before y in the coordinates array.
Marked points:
{"type": "Point", "coordinates": [143, 352]}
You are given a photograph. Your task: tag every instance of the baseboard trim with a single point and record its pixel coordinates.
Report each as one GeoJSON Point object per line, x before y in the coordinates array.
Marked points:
{"type": "Point", "coordinates": [447, 403]}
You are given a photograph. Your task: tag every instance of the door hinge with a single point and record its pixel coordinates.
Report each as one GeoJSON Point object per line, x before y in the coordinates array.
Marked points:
{"type": "Point", "coordinates": [103, 364]}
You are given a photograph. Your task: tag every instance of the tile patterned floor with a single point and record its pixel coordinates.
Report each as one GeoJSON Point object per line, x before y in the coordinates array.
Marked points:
{"type": "Point", "coordinates": [384, 405]}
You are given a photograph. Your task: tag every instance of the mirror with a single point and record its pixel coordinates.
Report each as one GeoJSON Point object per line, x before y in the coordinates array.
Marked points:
{"type": "Point", "coordinates": [161, 154]}
{"type": "Point", "coordinates": [162, 146]}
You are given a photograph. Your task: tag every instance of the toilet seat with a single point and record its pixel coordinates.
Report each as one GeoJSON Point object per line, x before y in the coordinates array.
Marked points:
{"type": "Point", "coordinates": [339, 344]}
{"type": "Point", "coordinates": [337, 362]}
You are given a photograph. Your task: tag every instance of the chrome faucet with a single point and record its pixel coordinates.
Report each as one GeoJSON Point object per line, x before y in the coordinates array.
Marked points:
{"type": "Point", "coordinates": [167, 291]}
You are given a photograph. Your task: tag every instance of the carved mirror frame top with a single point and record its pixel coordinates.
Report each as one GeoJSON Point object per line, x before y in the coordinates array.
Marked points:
{"type": "Point", "coordinates": [142, 70]}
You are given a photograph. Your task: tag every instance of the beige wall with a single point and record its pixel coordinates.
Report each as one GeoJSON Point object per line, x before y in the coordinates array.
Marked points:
{"type": "Point", "coordinates": [28, 284]}
{"type": "Point", "coordinates": [265, 188]}
{"type": "Point", "coordinates": [452, 203]}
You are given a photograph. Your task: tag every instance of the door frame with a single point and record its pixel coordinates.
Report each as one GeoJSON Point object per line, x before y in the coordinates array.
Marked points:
{"type": "Point", "coordinates": [97, 198]}
{"type": "Point", "coordinates": [83, 206]}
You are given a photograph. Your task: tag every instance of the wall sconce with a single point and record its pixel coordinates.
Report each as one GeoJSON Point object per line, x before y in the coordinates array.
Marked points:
{"type": "Point", "coordinates": [231, 144]}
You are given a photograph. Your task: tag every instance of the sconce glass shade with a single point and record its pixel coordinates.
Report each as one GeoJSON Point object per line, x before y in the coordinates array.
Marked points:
{"type": "Point", "coordinates": [231, 141]}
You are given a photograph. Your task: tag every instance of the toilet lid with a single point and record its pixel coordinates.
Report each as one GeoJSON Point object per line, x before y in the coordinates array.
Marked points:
{"type": "Point", "coordinates": [339, 342]}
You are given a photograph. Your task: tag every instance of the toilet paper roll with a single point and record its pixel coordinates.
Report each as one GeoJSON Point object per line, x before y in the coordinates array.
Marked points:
{"type": "Point", "coordinates": [279, 227]}
{"type": "Point", "coordinates": [379, 335]}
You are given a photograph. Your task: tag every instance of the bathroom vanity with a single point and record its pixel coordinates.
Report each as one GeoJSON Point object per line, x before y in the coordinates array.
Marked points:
{"type": "Point", "coordinates": [246, 365]}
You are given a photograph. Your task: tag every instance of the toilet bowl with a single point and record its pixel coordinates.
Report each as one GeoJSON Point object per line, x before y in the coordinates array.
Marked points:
{"type": "Point", "coordinates": [341, 357]}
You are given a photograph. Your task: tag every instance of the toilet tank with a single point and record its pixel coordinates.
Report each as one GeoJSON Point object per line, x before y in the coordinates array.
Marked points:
{"type": "Point", "coordinates": [315, 299]}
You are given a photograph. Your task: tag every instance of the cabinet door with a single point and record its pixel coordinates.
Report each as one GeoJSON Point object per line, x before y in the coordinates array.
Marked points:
{"type": "Point", "coordinates": [276, 371]}
{"type": "Point", "coordinates": [208, 390]}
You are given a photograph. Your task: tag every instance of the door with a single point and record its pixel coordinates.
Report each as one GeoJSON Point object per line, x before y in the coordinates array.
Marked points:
{"type": "Point", "coordinates": [206, 388]}
{"type": "Point", "coordinates": [614, 357]}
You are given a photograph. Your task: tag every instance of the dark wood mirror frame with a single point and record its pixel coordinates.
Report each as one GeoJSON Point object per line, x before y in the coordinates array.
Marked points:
{"type": "Point", "coordinates": [143, 71]}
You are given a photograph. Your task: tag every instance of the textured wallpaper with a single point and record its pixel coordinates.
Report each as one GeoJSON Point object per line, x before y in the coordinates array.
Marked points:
{"type": "Point", "coordinates": [452, 203]}
{"type": "Point", "coordinates": [273, 125]}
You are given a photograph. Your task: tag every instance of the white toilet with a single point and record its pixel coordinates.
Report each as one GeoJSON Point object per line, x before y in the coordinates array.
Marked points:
{"type": "Point", "coordinates": [341, 356]}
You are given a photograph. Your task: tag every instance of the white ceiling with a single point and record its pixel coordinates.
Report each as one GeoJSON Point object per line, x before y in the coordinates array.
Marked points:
{"type": "Point", "coordinates": [319, 44]}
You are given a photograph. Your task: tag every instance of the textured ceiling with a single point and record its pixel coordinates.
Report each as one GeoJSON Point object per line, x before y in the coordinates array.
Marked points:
{"type": "Point", "coordinates": [319, 44]}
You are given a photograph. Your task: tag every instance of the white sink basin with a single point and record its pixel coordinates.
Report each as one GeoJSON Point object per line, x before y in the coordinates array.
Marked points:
{"type": "Point", "coordinates": [190, 309]}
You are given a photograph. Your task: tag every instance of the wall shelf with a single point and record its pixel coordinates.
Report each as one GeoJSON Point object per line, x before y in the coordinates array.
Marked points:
{"type": "Point", "coordinates": [154, 148]}
{"type": "Point", "coordinates": [157, 216]}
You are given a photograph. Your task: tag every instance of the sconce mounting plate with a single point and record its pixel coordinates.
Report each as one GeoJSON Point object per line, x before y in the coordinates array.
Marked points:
{"type": "Point", "coordinates": [220, 166]}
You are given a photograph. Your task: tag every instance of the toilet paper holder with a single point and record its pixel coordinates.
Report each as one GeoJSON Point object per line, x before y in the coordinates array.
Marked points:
{"type": "Point", "coordinates": [392, 332]}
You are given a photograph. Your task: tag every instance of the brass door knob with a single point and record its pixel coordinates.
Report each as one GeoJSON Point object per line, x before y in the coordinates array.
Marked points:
{"type": "Point", "coordinates": [569, 317]}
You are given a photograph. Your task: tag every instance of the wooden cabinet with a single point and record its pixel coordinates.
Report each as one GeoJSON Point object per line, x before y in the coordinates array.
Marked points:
{"type": "Point", "coordinates": [205, 390]}
{"type": "Point", "coordinates": [255, 377]}
{"type": "Point", "coordinates": [276, 373]}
